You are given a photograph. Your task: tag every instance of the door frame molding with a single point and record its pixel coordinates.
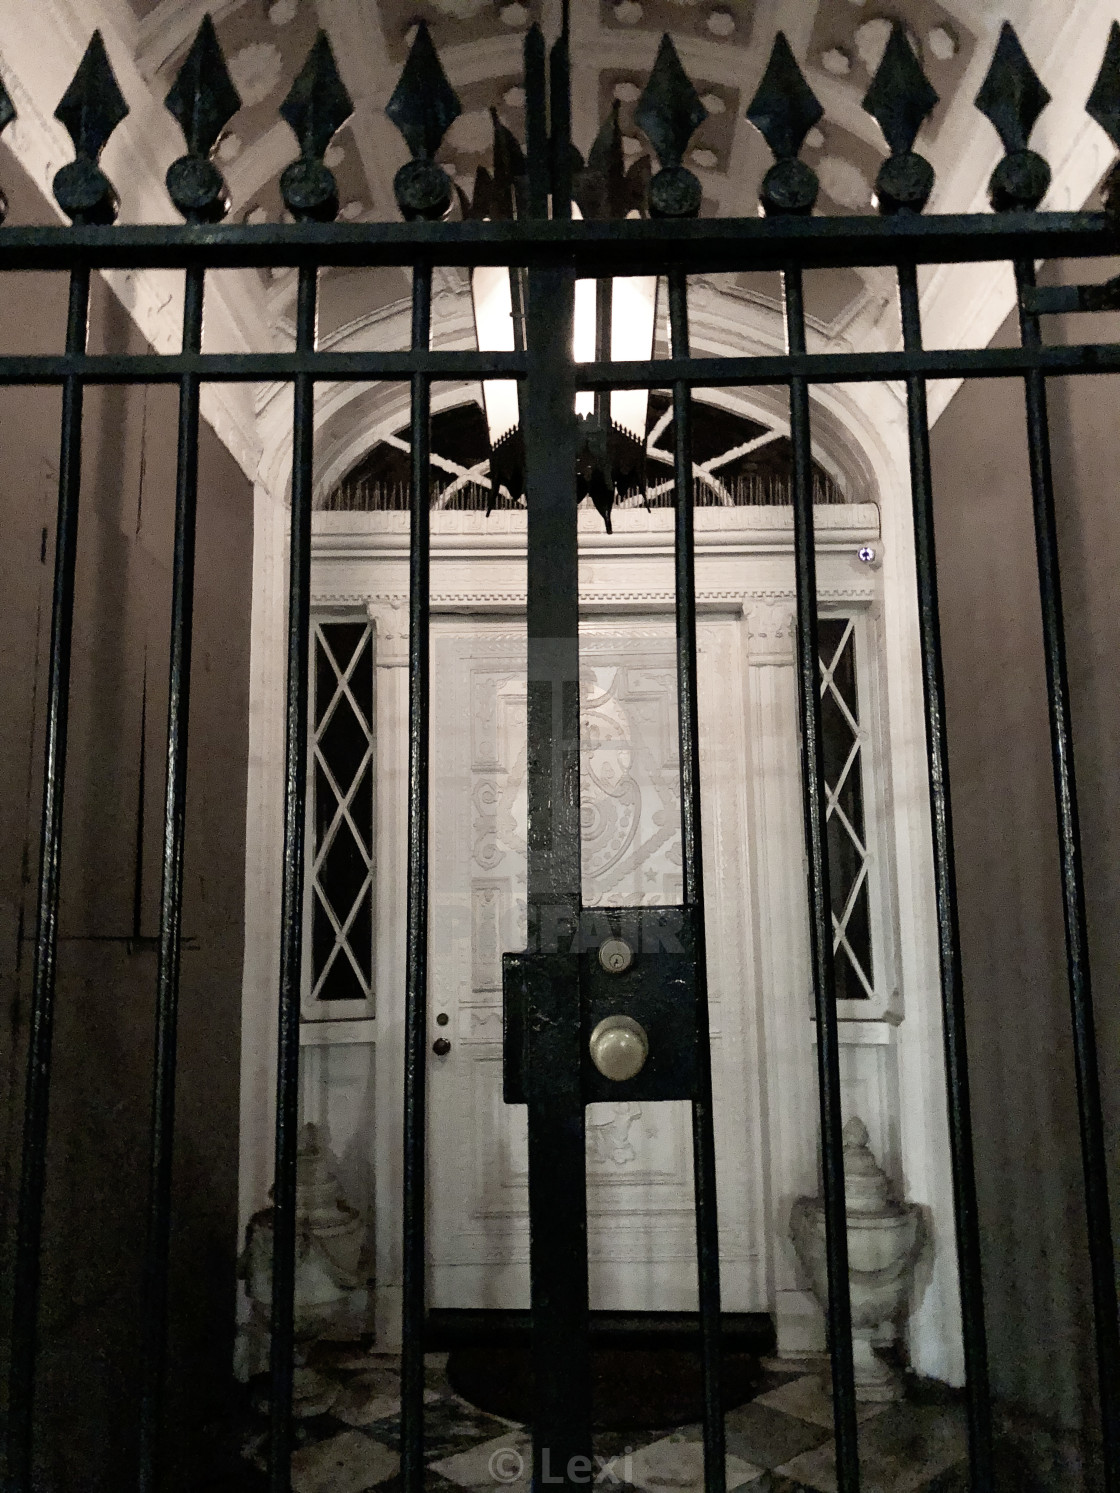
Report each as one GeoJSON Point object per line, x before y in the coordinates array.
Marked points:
{"type": "Point", "coordinates": [885, 1051]}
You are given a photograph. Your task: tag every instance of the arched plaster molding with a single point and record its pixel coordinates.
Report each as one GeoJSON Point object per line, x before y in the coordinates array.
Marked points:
{"type": "Point", "coordinates": [352, 417]}
{"type": "Point", "coordinates": [170, 28]}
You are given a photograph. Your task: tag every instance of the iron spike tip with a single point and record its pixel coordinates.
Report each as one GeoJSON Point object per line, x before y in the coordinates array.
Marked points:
{"type": "Point", "coordinates": [316, 108]}
{"type": "Point", "coordinates": [1103, 104]}
{"type": "Point", "coordinates": [7, 108]}
{"type": "Point", "coordinates": [602, 189]}
{"type": "Point", "coordinates": [317, 104]}
{"type": "Point", "coordinates": [203, 98]}
{"type": "Point", "coordinates": [90, 110]}
{"type": "Point", "coordinates": [669, 111]}
{"type": "Point", "coordinates": [1012, 95]}
{"type": "Point", "coordinates": [901, 97]}
{"type": "Point", "coordinates": [424, 105]}
{"type": "Point", "coordinates": [93, 106]}
{"type": "Point", "coordinates": [784, 108]}
{"type": "Point", "coordinates": [7, 114]}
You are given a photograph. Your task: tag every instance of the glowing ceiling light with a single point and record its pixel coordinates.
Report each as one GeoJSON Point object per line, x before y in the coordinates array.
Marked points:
{"type": "Point", "coordinates": [613, 431]}
{"type": "Point", "coordinates": [633, 314]}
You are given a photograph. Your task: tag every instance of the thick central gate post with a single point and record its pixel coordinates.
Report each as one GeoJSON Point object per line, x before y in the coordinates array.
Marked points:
{"type": "Point", "coordinates": [557, 1178]}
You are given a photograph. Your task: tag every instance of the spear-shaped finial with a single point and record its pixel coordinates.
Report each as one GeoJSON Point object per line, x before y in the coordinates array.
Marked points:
{"type": "Point", "coordinates": [783, 111]}
{"type": "Point", "coordinates": [499, 193]}
{"type": "Point", "coordinates": [90, 109]}
{"type": "Point", "coordinates": [606, 187]}
{"type": "Point", "coordinates": [899, 99]}
{"type": "Point", "coordinates": [203, 99]}
{"type": "Point", "coordinates": [1012, 96]}
{"type": "Point", "coordinates": [423, 107]}
{"type": "Point", "coordinates": [1104, 106]}
{"type": "Point", "coordinates": [669, 113]}
{"type": "Point", "coordinates": [316, 108]}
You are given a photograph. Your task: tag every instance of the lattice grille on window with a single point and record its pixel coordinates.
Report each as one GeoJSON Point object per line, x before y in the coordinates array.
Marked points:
{"type": "Point", "coordinates": [844, 742]}
{"type": "Point", "coordinates": [342, 873]}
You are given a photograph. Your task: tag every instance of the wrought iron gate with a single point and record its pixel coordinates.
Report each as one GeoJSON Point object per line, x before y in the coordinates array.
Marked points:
{"type": "Point", "coordinates": [559, 993]}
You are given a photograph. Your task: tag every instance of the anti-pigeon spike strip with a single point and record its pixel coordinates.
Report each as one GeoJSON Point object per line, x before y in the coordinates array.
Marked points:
{"type": "Point", "coordinates": [554, 990]}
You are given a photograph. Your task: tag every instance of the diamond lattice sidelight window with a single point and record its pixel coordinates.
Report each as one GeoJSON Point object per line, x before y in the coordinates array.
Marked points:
{"type": "Point", "coordinates": [342, 766]}
{"type": "Point", "coordinates": [845, 744]}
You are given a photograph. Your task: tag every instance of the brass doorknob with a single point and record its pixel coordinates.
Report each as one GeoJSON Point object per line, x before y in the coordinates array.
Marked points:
{"type": "Point", "coordinates": [619, 1047]}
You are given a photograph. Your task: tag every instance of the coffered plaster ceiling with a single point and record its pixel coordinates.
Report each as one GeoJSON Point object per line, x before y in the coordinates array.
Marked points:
{"type": "Point", "coordinates": [724, 45]}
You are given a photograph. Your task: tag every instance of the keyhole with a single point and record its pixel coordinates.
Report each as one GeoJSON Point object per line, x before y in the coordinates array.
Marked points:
{"type": "Point", "coordinates": [616, 956]}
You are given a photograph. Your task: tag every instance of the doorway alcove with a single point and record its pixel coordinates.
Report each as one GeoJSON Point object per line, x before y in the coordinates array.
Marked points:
{"type": "Point", "coordinates": [643, 1249]}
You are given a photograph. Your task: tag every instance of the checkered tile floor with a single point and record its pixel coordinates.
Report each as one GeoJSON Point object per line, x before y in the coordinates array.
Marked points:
{"type": "Point", "coordinates": [781, 1442]}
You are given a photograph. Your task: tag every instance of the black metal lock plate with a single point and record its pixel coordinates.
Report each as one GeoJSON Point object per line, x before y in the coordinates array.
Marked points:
{"type": "Point", "coordinates": [659, 990]}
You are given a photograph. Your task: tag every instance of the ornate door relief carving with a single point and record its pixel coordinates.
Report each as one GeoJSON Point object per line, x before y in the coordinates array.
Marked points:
{"type": "Point", "coordinates": [639, 1156]}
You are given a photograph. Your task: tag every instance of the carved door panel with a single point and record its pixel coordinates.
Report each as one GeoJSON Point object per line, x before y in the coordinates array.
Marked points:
{"type": "Point", "coordinates": [639, 1155]}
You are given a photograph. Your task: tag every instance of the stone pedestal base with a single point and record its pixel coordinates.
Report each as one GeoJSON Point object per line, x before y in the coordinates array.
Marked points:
{"type": "Point", "coordinates": [877, 1382]}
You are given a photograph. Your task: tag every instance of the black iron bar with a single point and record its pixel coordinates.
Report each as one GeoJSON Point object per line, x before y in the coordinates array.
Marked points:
{"type": "Point", "coordinates": [556, 1111]}
{"type": "Point", "coordinates": [823, 368]}
{"type": "Point", "coordinates": [25, 1283]}
{"type": "Point", "coordinates": [156, 1258]}
{"type": "Point", "coordinates": [169, 368]}
{"type": "Point", "coordinates": [688, 720]}
{"type": "Point", "coordinates": [558, 1266]}
{"type": "Point", "coordinates": [560, 121]}
{"type": "Point", "coordinates": [536, 124]}
{"type": "Point", "coordinates": [1094, 1161]}
{"type": "Point", "coordinates": [700, 372]}
{"type": "Point", "coordinates": [966, 1213]}
{"type": "Point", "coordinates": [839, 1314]}
{"type": "Point", "coordinates": [416, 953]}
{"type": "Point", "coordinates": [621, 247]}
{"type": "Point", "coordinates": [604, 326]}
{"type": "Point", "coordinates": [282, 1320]}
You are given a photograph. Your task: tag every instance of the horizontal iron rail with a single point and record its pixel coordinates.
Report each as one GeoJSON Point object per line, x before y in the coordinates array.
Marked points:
{"type": "Point", "coordinates": [700, 372]}
{"type": "Point", "coordinates": [629, 247]}
{"type": "Point", "coordinates": [452, 1327]}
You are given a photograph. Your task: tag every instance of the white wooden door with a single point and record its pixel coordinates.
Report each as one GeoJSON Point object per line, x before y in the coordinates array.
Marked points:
{"type": "Point", "coordinates": [639, 1155]}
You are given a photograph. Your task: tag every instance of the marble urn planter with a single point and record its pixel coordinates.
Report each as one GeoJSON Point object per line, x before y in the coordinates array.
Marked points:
{"type": "Point", "coordinates": [884, 1243]}
{"type": "Point", "coordinates": [331, 1273]}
